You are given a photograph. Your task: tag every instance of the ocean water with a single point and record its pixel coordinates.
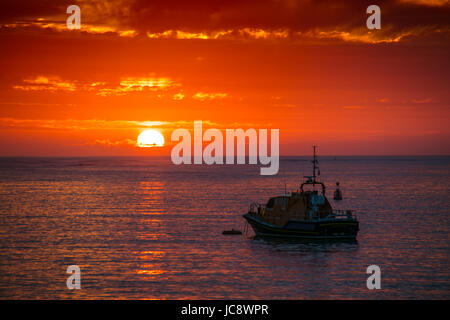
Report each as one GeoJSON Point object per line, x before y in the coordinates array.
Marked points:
{"type": "Point", "coordinates": [143, 228]}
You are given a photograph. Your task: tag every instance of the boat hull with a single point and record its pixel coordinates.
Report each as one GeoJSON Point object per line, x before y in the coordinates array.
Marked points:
{"type": "Point", "coordinates": [322, 229]}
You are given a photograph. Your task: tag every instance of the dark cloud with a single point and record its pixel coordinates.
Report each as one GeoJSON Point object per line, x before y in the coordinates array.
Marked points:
{"type": "Point", "coordinates": [300, 15]}
{"type": "Point", "coordinates": [271, 14]}
{"type": "Point", "coordinates": [19, 10]}
{"type": "Point", "coordinates": [208, 15]}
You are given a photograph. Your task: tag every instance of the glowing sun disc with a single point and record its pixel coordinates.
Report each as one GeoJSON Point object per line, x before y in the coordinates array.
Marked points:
{"type": "Point", "coordinates": [150, 138]}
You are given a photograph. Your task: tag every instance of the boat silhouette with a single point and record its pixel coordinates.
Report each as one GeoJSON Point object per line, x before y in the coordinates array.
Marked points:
{"type": "Point", "coordinates": [305, 213]}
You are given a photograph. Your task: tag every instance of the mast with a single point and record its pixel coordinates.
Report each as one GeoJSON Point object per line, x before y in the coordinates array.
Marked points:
{"type": "Point", "coordinates": [314, 164]}
{"type": "Point", "coordinates": [312, 179]}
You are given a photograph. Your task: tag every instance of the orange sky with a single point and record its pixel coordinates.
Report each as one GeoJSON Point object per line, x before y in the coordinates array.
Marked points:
{"type": "Point", "coordinates": [310, 69]}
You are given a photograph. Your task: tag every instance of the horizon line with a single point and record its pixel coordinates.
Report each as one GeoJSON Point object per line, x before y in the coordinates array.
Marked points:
{"type": "Point", "coordinates": [168, 156]}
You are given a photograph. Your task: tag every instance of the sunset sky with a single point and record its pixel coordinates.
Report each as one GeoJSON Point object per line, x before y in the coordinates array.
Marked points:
{"type": "Point", "coordinates": [309, 68]}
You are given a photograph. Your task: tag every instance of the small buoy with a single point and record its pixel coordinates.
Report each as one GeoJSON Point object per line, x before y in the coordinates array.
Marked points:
{"type": "Point", "coordinates": [232, 231]}
{"type": "Point", "coordinates": [337, 193]}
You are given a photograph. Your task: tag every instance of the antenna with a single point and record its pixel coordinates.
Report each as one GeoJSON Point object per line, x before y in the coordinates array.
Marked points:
{"type": "Point", "coordinates": [314, 164]}
{"type": "Point", "coordinates": [312, 179]}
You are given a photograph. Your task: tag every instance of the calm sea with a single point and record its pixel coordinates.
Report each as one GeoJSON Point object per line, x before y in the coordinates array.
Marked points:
{"type": "Point", "coordinates": [143, 228]}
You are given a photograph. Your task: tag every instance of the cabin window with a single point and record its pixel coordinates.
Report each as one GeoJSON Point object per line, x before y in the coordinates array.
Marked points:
{"type": "Point", "coordinates": [281, 202]}
{"type": "Point", "coordinates": [270, 203]}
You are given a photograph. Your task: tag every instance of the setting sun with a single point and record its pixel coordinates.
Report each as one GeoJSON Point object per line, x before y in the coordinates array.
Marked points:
{"type": "Point", "coordinates": [150, 138]}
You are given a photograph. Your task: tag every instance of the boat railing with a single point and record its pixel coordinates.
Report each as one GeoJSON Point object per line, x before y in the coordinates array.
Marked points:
{"type": "Point", "coordinates": [256, 207]}
{"type": "Point", "coordinates": [342, 214]}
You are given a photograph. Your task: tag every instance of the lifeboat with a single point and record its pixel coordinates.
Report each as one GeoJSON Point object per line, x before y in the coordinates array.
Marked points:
{"type": "Point", "coordinates": [305, 213]}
